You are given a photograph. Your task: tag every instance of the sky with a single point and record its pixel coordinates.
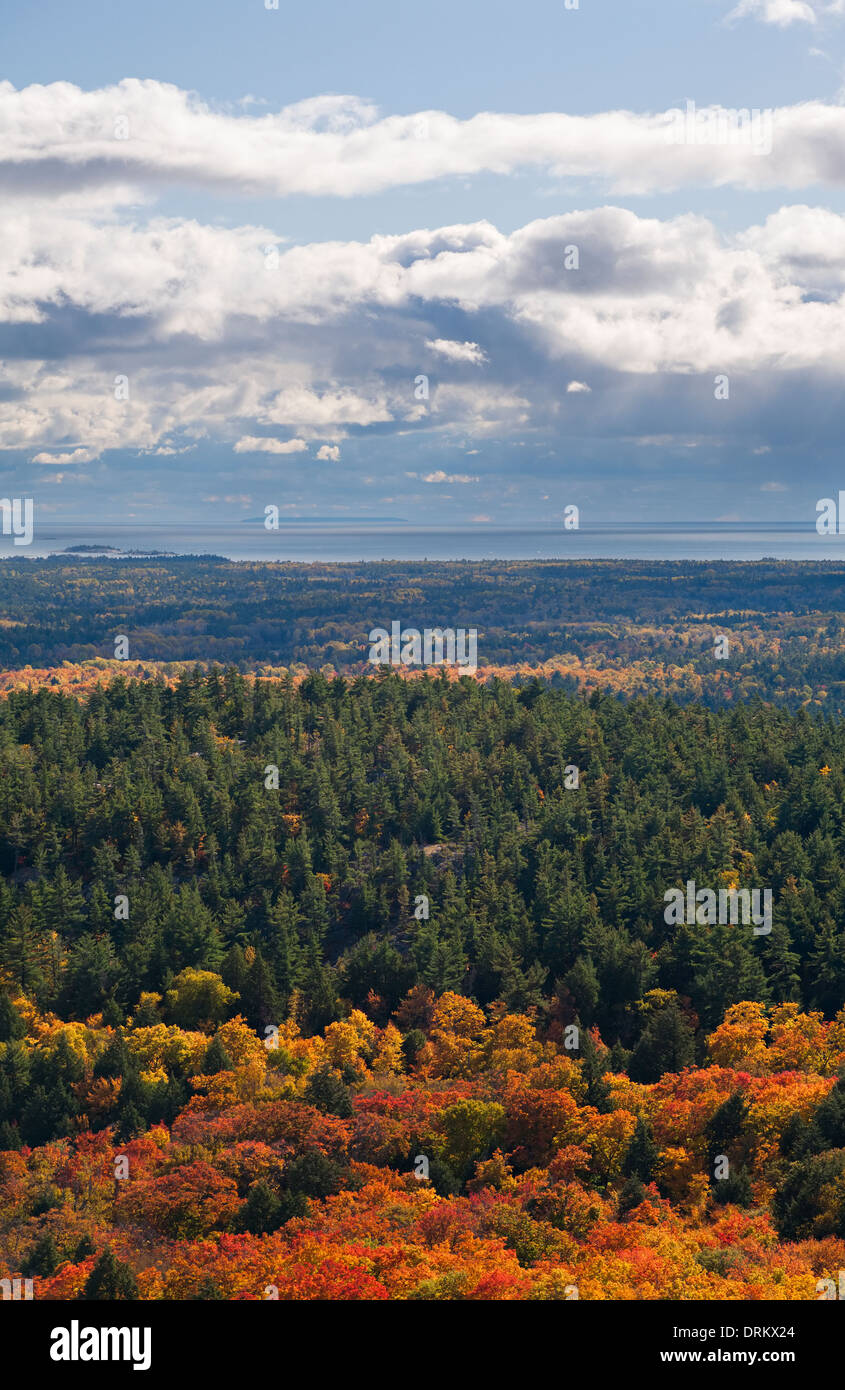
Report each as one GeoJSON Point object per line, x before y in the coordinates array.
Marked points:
{"type": "Point", "coordinates": [464, 264]}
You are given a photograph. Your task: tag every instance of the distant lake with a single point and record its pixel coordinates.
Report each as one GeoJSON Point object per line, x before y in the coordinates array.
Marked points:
{"type": "Point", "coordinates": [303, 541]}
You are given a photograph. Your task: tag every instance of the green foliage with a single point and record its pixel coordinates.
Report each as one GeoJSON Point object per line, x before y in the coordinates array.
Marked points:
{"type": "Point", "coordinates": [470, 1131]}
{"type": "Point", "coordinates": [299, 900]}
{"type": "Point", "coordinates": [44, 1257]}
{"type": "Point", "coordinates": [443, 1179]}
{"type": "Point", "coordinates": [735, 1189]}
{"type": "Point", "coordinates": [646, 626]}
{"type": "Point", "coordinates": [809, 1203]}
{"type": "Point", "coordinates": [198, 999]}
{"type": "Point", "coordinates": [265, 1210]}
{"type": "Point", "coordinates": [110, 1279]}
{"type": "Point", "coordinates": [314, 1175]}
{"type": "Point", "coordinates": [216, 1058]}
{"type": "Point", "coordinates": [11, 1024]}
{"type": "Point", "coordinates": [642, 1155]}
{"type": "Point", "coordinates": [326, 1090]}
{"type": "Point", "coordinates": [666, 1044]}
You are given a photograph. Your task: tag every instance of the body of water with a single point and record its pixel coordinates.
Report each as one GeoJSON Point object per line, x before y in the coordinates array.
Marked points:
{"type": "Point", "coordinates": [303, 542]}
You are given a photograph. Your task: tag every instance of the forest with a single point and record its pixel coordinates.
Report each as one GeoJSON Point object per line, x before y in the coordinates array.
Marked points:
{"type": "Point", "coordinates": [632, 627]}
{"type": "Point", "coordinates": [349, 988]}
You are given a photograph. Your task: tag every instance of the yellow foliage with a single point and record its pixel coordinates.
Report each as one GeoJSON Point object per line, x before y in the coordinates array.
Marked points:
{"type": "Point", "coordinates": [389, 1057]}
{"type": "Point", "coordinates": [678, 1169]}
{"type": "Point", "coordinates": [82, 1041]}
{"type": "Point", "coordinates": [246, 1082]}
{"type": "Point", "coordinates": [740, 1042]}
{"type": "Point", "coordinates": [800, 1042]}
{"type": "Point", "coordinates": [166, 1046]}
{"type": "Point", "coordinates": [241, 1043]}
{"type": "Point", "coordinates": [457, 1036]}
{"type": "Point", "coordinates": [36, 1023]}
{"type": "Point", "coordinates": [346, 1042]}
{"type": "Point", "coordinates": [493, 1172]}
{"type": "Point", "coordinates": [512, 1045]}
{"type": "Point", "coordinates": [155, 1077]}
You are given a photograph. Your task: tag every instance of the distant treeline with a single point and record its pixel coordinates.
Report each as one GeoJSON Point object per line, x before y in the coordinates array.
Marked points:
{"type": "Point", "coordinates": [627, 626]}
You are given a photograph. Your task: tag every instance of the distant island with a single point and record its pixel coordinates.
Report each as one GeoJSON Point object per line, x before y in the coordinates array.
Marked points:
{"type": "Point", "coordinates": [106, 550]}
{"type": "Point", "coordinates": [328, 520]}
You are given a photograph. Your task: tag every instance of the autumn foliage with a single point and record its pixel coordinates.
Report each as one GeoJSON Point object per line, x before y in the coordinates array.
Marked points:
{"type": "Point", "coordinates": [499, 1164]}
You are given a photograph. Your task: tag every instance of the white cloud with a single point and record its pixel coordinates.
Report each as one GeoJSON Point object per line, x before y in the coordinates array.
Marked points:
{"type": "Point", "coordinates": [206, 333]}
{"type": "Point", "coordinates": [456, 352]}
{"type": "Point", "coordinates": [774, 487]}
{"type": "Point", "coordinates": [576, 386]}
{"type": "Point", "coordinates": [60, 143]}
{"type": "Point", "coordinates": [252, 444]}
{"type": "Point", "coordinates": [440, 477]}
{"type": "Point", "coordinates": [74, 456]}
{"type": "Point", "coordinates": [328, 453]}
{"type": "Point", "coordinates": [780, 12]}
{"type": "Point", "coordinates": [786, 12]}
{"type": "Point", "coordinates": [304, 408]}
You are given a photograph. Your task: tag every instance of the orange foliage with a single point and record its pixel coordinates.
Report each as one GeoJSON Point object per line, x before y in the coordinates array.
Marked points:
{"type": "Point", "coordinates": [524, 1198]}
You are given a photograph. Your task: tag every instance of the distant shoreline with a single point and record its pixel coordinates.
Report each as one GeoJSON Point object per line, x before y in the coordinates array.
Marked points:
{"type": "Point", "coordinates": [106, 552]}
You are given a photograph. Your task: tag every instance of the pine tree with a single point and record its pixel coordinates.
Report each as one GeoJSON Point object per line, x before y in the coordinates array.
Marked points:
{"type": "Point", "coordinates": [44, 1257]}
{"type": "Point", "coordinates": [110, 1279]}
{"type": "Point", "coordinates": [665, 1045]}
{"type": "Point", "coordinates": [259, 1000]}
{"type": "Point", "coordinates": [261, 1213]}
{"type": "Point", "coordinates": [327, 1092]}
{"type": "Point", "coordinates": [11, 1024]}
{"type": "Point", "coordinates": [216, 1058]}
{"type": "Point", "coordinates": [642, 1153]}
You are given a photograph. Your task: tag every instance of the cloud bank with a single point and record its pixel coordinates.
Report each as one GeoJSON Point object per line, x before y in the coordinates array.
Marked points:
{"type": "Point", "coordinates": [156, 336]}
{"type": "Point", "coordinates": [120, 143]}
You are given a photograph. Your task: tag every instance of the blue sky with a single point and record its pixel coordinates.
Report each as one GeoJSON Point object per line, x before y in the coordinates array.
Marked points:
{"type": "Point", "coordinates": [474, 56]}
{"type": "Point", "coordinates": [236, 238]}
